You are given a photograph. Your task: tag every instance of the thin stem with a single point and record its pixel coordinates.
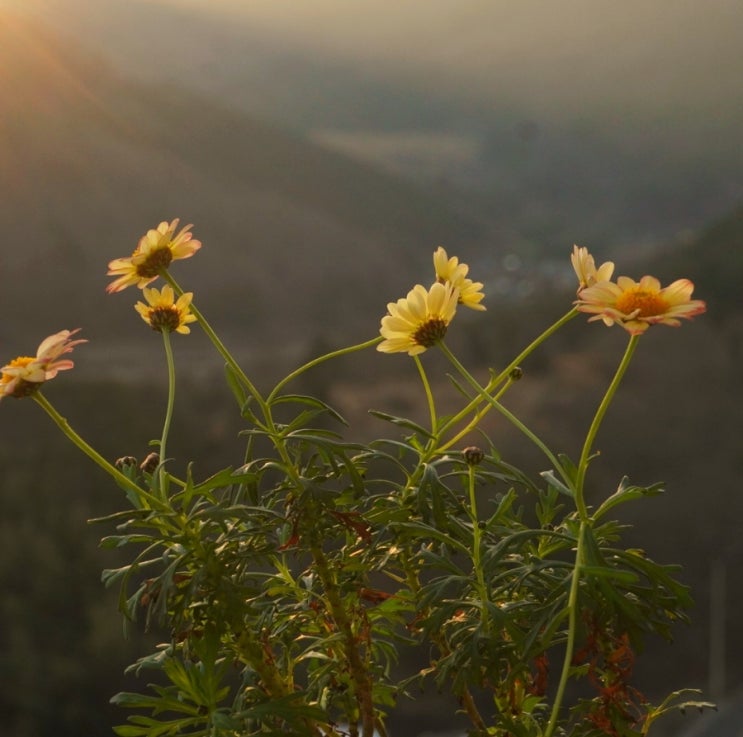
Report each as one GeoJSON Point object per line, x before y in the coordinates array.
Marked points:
{"type": "Point", "coordinates": [505, 374]}
{"type": "Point", "coordinates": [429, 393]}
{"type": "Point", "coordinates": [163, 477]}
{"type": "Point", "coordinates": [572, 628]}
{"type": "Point", "coordinates": [596, 423]}
{"type": "Point", "coordinates": [482, 588]}
{"type": "Point", "coordinates": [321, 359]}
{"type": "Point", "coordinates": [221, 349]}
{"type": "Point", "coordinates": [506, 413]}
{"type": "Point", "coordinates": [473, 423]}
{"type": "Point", "coordinates": [551, 330]}
{"type": "Point", "coordinates": [111, 470]}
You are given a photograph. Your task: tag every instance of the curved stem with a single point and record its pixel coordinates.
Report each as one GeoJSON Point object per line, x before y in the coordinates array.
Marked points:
{"type": "Point", "coordinates": [163, 476]}
{"type": "Point", "coordinates": [321, 359]}
{"type": "Point", "coordinates": [596, 423]}
{"type": "Point", "coordinates": [96, 457]}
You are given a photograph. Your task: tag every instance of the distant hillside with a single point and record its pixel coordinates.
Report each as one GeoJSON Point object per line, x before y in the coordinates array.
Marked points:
{"type": "Point", "coordinates": [597, 122]}
{"type": "Point", "coordinates": [714, 261]}
{"type": "Point", "coordinates": [298, 241]}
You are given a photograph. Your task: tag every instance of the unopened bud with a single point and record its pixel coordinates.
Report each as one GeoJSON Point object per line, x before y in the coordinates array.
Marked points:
{"type": "Point", "coordinates": [125, 462]}
{"type": "Point", "coordinates": [516, 373]}
{"type": "Point", "coordinates": [150, 463]}
{"type": "Point", "coordinates": [473, 455]}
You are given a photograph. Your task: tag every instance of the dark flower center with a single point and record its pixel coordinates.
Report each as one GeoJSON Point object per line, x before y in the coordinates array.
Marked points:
{"type": "Point", "coordinates": [156, 261]}
{"type": "Point", "coordinates": [431, 332]}
{"type": "Point", "coordinates": [165, 319]}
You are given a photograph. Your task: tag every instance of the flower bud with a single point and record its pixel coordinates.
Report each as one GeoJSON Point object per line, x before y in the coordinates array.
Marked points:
{"type": "Point", "coordinates": [516, 373]}
{"type": "Point", "coordinates": [150, 463]}
{"type": "Point", "coordinates": [473, 455]}
{"type": "Point", "coordinates": [125, 462]}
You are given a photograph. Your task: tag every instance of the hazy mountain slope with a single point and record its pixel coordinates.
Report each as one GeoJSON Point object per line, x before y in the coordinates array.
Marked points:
{"type": "Point", "coordinates": [590, 122]}
{"type": "Point", "coordinates": [297, 239]}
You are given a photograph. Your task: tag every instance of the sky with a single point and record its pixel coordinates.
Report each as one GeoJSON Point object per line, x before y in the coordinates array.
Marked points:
{"type": "Point", "coordinates": [660, 46]}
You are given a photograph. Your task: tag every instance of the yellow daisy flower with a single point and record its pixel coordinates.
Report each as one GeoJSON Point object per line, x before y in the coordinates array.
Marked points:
{"type": "Point", "coordinates": [164, 313]}
{"type": "Point", "coordinates": [585, 268]}
{"type": "Point", "coordinates": [638, 305]}
{"type": "Point", "coordinates": [420, 320]}
{"type": "Point", "coordinates": [25, 374]}
{"type": "Point", "coordinates": [451, 271]}
{"type": "Point", "coordinates": [154, 252]}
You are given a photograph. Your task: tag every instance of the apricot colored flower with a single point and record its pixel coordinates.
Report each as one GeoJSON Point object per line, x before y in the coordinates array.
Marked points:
{"type": "Point", "coordinates": [451, 271]}
{"type": "Point", "coordinates": [154, 252]}
{"type": "Point", "coordinates": [585, 268]}
{"type": "Point", "coordinates": [420, 320]}
{"type": "Point", "coordinates": [163, 313]}
{"type": "Point", "coordinates": [638, 305]}
{"type": "Point", "coordinates": [25, 374]}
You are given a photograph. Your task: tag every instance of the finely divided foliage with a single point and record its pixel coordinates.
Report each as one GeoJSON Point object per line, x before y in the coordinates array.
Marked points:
{"type": "Point", "coordinates": [290, 585]}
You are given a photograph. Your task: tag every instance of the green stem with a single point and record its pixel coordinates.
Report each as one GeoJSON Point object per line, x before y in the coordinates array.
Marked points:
{"type": "Point", "coordinates": [163, 476]}
{"type": "Point", "coordinates": [429, 393]}
{"type": "Point", "coordinates": [585, 455]}
{"type": "Point", "coordinates": [217, 343]}
{"type": "Point", "coordinates": [572, 629]}
{"type": "Point", "coordinates": [506, 413]}
{"type": "Point", "coordinates": [317, 361]}
{"type": "Point", "coordinates": [111, 470]}
{"type": "Point", "coordinates": [584, 523]}
{"type": "Point", "coordinates": [567, 317]}
{"type": "Point", "coordinates": [482, 588]}
{"type": "Point", "coordinates": [475, 421]}
{"type": "Point", "coordinates": [505, 374]}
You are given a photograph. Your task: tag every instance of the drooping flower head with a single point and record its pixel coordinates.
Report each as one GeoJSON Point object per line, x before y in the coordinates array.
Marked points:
{"type": "Point", "coordinates": [154, 252]}
{"type": "Point", "coordinates": [451, 271]}
{"type": "Point", "coordinates": [25, 374]}
{"type": "Point", "coordinates": [585, 268]}
{"type": "Point", "coordinates": [420, 320]}
{"type": "Point", "coordinates": [638, 305]}
{"type": "Point", "coordinates": [163, 313]}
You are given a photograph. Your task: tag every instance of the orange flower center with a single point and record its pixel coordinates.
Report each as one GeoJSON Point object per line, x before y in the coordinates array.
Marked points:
{"type": "Point", "coordinates": [23, 388]}
{"type": "Point", "coordinates": [431, 332]}
{"type": "Point", "coordinates": [641, 303]}
{"type": "Point", "coordinates": [19, 362]}
{"type": "Point", "coordinates": [159, 259]}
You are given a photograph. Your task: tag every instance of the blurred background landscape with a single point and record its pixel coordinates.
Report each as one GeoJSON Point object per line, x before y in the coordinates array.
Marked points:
{"type": "Point", "coordinates": [323, 150]}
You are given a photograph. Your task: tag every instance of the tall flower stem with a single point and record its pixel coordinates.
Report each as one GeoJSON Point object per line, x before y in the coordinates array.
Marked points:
{"type": "Point", "coordinates": [482, 588]}
{"type": "Point", "coordinates": [585, 522]}
{"type": "Point", "coordinates": [217, 343]}
{"type": "Point", "coordinates": [572, 611]}
{"type": "Point", "coordinates": [96, 457]}
{"type": "Point", "coordinates": [317, 361]}
{"type": "Point", "coordinates": [498, 379]}
{"type": "Point", "coordinates": [163, 476]}
{"type": "Point", "coordinates": [551, 330]}
{"type": "Point", "coordinates": [475, 421]}
{"type": "Point", "coordinates": [506, 413]}
{"type": "Point", "coordinates": [429, 394]}
{"type": "Point", "coordinates": [585, 455]}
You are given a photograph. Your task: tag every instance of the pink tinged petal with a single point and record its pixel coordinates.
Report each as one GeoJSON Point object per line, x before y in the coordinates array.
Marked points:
{"type": "Point", "coordinates": [680, 291]}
